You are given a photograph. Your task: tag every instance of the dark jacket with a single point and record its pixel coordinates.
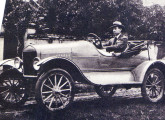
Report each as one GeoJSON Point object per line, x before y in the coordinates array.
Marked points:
{"type": "Point", "coordinates": [116, 44]}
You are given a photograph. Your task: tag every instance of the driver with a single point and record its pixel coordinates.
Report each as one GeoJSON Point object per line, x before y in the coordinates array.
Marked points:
{"type": "Point", "coordinates": [119, 42]}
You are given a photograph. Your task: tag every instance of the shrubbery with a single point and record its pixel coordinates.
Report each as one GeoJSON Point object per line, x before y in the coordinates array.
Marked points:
{"type": "Point", "coordinates": [80, 17]}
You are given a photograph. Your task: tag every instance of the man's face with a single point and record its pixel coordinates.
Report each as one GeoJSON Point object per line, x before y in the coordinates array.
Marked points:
{"type": "Point", "coordinates": [117, 30]}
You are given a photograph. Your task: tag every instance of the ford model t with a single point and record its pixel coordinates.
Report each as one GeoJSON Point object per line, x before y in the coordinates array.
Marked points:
{"type": "Point", "coordinates": [56, 68]}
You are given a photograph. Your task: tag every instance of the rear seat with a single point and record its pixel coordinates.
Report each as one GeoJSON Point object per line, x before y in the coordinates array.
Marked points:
{"type": "Point", "coordinates": [134, 48]}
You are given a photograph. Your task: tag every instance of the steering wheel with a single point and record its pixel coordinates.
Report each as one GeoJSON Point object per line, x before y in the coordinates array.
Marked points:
{"type": "Point", "coordinates": [96, 40]}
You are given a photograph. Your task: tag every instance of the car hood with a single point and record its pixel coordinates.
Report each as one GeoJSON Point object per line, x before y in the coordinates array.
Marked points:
{"type": "Point", "coordinates": [63, 49]}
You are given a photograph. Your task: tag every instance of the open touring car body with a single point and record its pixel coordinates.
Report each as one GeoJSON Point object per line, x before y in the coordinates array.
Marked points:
{"type": "Point", "coordinates": [89, 64]}
{"type": "Point", "coordinates": [56, 67]}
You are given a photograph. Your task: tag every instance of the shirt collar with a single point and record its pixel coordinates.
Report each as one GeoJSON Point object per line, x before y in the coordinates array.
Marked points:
{"type": "Point", "coordinates": [118, 36]}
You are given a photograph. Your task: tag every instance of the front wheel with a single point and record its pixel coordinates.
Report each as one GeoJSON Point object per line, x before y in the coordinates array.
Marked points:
{"type": "Point", "coordinates": [105, 91]}
{"type": "Point", "coordinates": [13, 89]}
{"type": "Point", "coordinates": [55, 90]}
{"type": "Point", "coordinates": [153, 86]}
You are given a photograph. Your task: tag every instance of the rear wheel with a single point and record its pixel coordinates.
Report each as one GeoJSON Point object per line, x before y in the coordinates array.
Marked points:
{"type": "Point", "coordinates": [153, 86]}
{"type": "Point", "coordinates": [55, 90]}
{"type": "Point", "coordinates": [105, 91]}
{"type": "Point", "coordinates": [13, 90]}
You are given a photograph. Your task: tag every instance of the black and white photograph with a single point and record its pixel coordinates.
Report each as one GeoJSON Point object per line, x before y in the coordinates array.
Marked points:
{"type": "Point", "coordinates": [82, 60]}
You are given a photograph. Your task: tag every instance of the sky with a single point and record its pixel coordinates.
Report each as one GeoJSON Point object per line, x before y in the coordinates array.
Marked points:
{"type": "Point", "coordinates": [152, 2]}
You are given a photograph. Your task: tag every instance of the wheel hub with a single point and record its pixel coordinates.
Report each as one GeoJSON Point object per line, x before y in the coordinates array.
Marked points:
{"type": "Point", "coordinates": [56, 91]}
{"type": "Point", "coordinates": [13, 89]}
{"type": "Point", "coordinates": [154, 86]}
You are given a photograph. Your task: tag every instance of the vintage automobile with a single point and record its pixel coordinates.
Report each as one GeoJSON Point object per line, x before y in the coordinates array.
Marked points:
{"type": "Point", "coordinates": [56, 68]}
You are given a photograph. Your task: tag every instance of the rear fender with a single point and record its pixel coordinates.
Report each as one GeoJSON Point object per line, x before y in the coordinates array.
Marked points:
{"type": "Point", "coordinates": [140, 71]}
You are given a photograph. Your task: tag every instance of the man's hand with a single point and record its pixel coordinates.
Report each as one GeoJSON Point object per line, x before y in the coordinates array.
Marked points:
{"type": "Point", "coordinates": [116, 54]}
{"type": "Point", "coordinates": [96, 42]}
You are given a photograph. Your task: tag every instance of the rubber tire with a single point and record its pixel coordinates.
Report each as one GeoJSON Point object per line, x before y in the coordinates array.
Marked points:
{"type": "Point", "coordinates": [143, 88]}
{"type": "Point", "coordinates": [103, 95]}
{"type": "Point", "coordinates": [13, 73]}
{"type": "Point", "coordinates": [40, 82]}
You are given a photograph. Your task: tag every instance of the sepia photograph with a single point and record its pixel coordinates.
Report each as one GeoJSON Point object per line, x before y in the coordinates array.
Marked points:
{"type": "Point", "coordinates": [82, 59]}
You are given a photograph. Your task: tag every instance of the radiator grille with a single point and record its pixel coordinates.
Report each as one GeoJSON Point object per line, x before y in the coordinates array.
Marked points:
{"type": "Point", "coordinates": [28, 62]}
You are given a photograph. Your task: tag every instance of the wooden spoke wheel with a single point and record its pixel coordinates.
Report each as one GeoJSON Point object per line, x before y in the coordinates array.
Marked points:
{"type": "Point", "coordinates": [153, 85]}
{"type": "Point", "coordinates": [105, 91]}
{"type": "Point", "coordinates": [55, 90]}
{"type": "Point", "coordinates": [13, 90]}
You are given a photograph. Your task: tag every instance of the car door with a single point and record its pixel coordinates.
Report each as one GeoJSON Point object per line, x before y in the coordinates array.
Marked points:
{"type": "Point", "coordinates": [114, 63]}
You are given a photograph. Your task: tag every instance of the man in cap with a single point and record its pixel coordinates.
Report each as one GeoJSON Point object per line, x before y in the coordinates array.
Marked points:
{"type": "Point", "coordinates": [119, 42]}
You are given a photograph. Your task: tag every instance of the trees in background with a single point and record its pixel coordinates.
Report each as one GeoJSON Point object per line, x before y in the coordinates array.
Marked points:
{"type": "Point", "coordinates": [18, 14]}
{"type": "Point", "coordinates": [80, 17]}
{"type": "Point", "coordinates": [16, 18]}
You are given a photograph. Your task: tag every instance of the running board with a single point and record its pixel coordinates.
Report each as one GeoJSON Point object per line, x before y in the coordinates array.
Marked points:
{"type": "Point", "coordinates": [111, 78]}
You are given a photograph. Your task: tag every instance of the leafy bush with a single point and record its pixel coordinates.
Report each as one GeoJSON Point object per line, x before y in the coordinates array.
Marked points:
{"type": "Point", "coordinates": [80, 17]}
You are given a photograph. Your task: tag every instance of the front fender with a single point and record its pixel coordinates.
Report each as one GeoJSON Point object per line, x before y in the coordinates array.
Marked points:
{"type": "Point", "coordinates": [46, 60]}
{"type": "Point", "coordinates": [10, 63]}
{"type": "Point", "coordinates": [43, 61]}
{"type": "Point", "coordinates": [63, 63]}
{"type": "Point", "coordinates": [140, 71]}
{"type": "Point", "coordinates": [11, 71]}
{"type": "Point", "coordinates": [7, 62]}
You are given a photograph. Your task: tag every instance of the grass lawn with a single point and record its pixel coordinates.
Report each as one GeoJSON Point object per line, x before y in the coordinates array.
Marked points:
{"type": "Point", "coordinates": [125, 105]}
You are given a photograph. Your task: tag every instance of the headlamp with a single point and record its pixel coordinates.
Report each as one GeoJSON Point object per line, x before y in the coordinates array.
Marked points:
{"type": "Point", "coordinates": [17, 62]}
{"type": "Point", "coordinates": [35, 61]}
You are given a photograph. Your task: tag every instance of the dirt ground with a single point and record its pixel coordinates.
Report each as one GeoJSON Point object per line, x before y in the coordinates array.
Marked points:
{"type": "Point", "coordinates": [125, 105]}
